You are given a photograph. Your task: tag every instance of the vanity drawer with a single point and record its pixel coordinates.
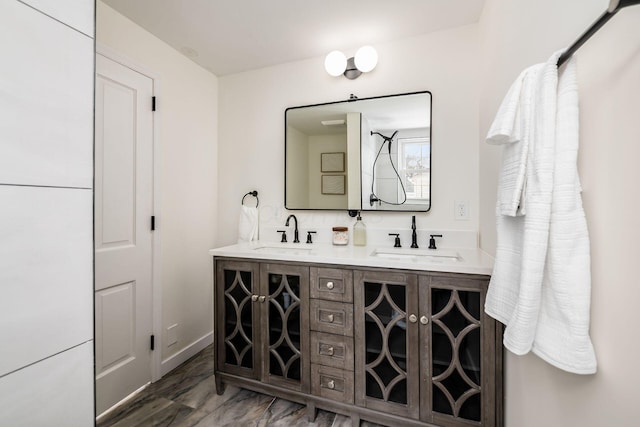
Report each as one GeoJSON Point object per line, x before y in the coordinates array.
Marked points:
{"type": "Point", "coordinates": [331, 284]}
{"type": "Point", "coordinates": [332, 317]}
{"type": "Point", "coordinates": [332, 350]}
{"type": "Point", "coordinates": [332, 383]}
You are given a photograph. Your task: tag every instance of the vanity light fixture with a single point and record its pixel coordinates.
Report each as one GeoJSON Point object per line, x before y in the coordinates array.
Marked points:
{"type": "Point", "coordinates": [365, 60]}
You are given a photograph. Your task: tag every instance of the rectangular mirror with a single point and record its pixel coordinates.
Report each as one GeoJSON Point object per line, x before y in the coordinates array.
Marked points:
{"type": "Point", "coordinates": [362, 154]}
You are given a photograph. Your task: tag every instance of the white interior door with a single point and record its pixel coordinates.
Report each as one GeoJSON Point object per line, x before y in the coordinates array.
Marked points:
{"type": "Point", "coordinates": [123, 237]}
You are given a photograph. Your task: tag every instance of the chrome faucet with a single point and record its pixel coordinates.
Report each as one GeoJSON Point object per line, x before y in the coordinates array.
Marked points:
{"type": "Point", "coordinates": [414, 237]}
{"type": "Point", "coordinates": [295, 231]}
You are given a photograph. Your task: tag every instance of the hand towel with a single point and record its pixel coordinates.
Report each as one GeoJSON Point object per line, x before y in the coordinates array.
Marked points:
{"type": "Point", "coordinates": [248, 224]}
{"type": "Point", "coordinates": [535, 258]}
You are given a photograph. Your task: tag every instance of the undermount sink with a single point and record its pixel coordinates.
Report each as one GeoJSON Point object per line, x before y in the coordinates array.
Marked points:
{"type": "Point", "coordinates": [293, 249]}
{"type": "Point", "coordinates": [431, 255]}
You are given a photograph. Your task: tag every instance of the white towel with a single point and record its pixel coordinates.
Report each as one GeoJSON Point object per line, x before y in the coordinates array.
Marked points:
{"type": "Point", "coordinates": [511, 128]}
{"type": "Point", "coordinates": [248, 224]}
{"type": "Point", "coordinates": [514, 292]}
{"type": "Point", "coordinates": [562, 336]}
{"type": "Point", "coordinates": [526, 292]}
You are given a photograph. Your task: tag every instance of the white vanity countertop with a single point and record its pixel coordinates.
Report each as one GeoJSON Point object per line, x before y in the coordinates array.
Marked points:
{"type": "Point", "coordinates": [451, 260]}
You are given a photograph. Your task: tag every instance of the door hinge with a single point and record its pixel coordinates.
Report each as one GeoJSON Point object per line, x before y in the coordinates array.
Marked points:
{"type": "Point", "coordinates": [153, 223]}
{"type": "Point", "coordinates": [153, 103]}
{"type": "Point", "coordinates": [153, 342]}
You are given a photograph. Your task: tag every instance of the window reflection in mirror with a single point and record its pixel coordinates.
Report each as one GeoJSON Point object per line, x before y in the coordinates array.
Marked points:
{"type": "Point", "coordinates": [386, 146]}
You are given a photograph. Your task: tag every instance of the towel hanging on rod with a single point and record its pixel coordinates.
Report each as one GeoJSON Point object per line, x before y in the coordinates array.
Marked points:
{"type": "Point", "coordinates": [248, 222]}
{"type": "Point", "coordinates": [614, 7]}
{"type": "Point", "coordinates": [253, 193]}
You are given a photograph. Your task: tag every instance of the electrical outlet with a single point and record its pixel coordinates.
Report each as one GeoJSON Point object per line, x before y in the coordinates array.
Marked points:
{"type": "Point", "coordinates": [172, 335]}
{"type": "Point", "coordinates": [461, 210]}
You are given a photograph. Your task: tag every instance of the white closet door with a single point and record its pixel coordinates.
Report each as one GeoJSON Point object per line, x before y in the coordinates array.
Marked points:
{"type": "Point", "coordinates": [123, 237]}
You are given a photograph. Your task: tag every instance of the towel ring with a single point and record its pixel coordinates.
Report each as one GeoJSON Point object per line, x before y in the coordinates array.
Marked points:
{"type": "Point", "coordinates": [253, 193]}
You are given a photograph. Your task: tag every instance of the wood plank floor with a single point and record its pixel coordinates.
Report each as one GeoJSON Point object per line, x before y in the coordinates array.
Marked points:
{"type": "Point", "coordinates": [186, 397]}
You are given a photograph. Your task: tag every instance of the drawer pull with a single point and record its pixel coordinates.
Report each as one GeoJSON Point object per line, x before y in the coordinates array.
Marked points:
{"type": "Point", "coordinates": [262, 298]}
{"type": "Point", "coordinates": [331, 384]}
{"type": "Point", "coordinates": [330, 318]}
{"type": "Point", "coordinates": [413, 318]}
{"type": "Point", "coordinates": [424, 320]}
{"type": "Point", "coordinates": [329, 285]}
{"type": "Point", "coordinates": [254, 298]}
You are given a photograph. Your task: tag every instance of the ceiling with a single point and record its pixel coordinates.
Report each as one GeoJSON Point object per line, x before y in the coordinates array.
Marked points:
{"type": "Point", "coordinates": [231, 36]}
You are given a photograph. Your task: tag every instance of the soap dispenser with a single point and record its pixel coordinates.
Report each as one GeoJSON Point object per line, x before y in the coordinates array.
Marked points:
{"type": "Point", "coordinates": [359, 233]}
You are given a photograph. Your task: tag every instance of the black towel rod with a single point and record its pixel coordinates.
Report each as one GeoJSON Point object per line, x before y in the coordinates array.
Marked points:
{"type": "Point", "coordinates": [253, 193]}
{"type": "Point", "coordinates": [614, 7]}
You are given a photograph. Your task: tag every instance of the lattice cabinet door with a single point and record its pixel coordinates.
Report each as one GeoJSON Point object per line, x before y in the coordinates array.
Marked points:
{"type": "Point", "coordinates": [461, 345]}
{"type": "Point", "coordinates": [285, 325]}
{"type": "Point", "coordinates": [236, 289]}
{"type": "Point", "coordinates": [386, 342]}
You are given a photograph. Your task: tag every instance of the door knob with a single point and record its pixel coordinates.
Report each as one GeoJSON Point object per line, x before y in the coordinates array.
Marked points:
{"type": "Point", "coordinates": [424, 320]}
{"type": "Point", "coordinates": [413, 318]}
{"type": "Point", "coordinates": [262, 298]}
{"type": "Point", "coordinates": [254, 298]}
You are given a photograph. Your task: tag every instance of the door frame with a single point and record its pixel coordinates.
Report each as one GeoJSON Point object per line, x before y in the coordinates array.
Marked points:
{"type": "Point", "coordinates": [156, 288]}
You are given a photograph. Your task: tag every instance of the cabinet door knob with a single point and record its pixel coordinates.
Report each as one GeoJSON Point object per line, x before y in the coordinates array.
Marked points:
{"type": "Point", "coordinates": [331, 384]}
{"type": "Point", "coordinates": [329, 285]}
{"type": "Point", "coordinates": [330, 351]}
{"type": "Point", "coordinates": [262, 298]}
{"type": "Point", "coordinates": [424, 320]}
{"type": "Point", "coordinates": [330, 318]}
{"type": "Point", "coordinates": [413, 318]}
{"type": "Point", "coordinates": [254, 298]}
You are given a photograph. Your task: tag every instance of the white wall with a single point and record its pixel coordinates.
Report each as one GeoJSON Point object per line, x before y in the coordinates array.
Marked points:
{"type": "Point", "coordinates": [46, 211]}
{"type": "Point", "coordinates": [251, 129]}
{"type": "Point", "coordinates": [187, 219]}
{"type": "Point", "coordinates": [515, 34]}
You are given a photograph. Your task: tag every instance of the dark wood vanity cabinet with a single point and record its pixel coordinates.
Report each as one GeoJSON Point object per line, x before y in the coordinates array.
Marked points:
{"type": "Point", "coordinates": [262, 322]}
{"type": "Point", "coordinates": [424, 347]}
{"type": "Point", "coordinates": [332, 346]}
{"type": "Point", "coordinates": [463, 367]}
{"type": "Point", "coordinates": [387, 358]}
{"type": "Point", "coordinates": [392, 346]}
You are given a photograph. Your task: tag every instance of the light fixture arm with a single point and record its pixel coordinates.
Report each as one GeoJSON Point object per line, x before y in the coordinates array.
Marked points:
{"type": "Point", "coordinates": [352, 71]}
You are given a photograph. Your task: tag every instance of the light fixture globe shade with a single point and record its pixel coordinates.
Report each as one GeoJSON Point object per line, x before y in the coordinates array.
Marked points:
{"type": "Point", "coordinates": [335, 63]}
{"type": "Point", "coordinates": [366, 59]}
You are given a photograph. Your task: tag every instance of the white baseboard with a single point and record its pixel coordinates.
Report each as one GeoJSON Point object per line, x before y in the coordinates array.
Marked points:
{"type": "Point", "coordinates": [185, 354]}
